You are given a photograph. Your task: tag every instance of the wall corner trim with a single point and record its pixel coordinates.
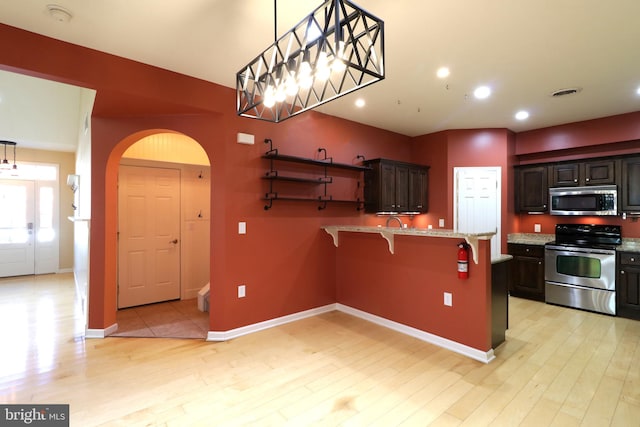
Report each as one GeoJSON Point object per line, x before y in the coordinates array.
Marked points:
{"type": "Point", "coordinates": [100, 333]}
{"type": "Point", "coordinates": [249, 329]}
{"type": "Point", "coordinates": [465, 350]}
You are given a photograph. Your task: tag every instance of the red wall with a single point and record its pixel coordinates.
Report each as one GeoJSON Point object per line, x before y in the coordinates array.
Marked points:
{"type": "Point", "coordinates": [408, 286]}
{"type": "Point", "coordinates": [607, 130]}
{"type": "Point", "coordinates": [465, 148]}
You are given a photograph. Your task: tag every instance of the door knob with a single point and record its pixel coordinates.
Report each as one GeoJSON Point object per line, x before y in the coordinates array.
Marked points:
{"type": "Point", "coordinates": [174, 241]}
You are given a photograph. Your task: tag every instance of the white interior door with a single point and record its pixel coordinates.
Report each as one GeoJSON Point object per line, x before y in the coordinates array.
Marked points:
{"type": "Point", "coordinates": [17, 213]}
{"type": "Point", "coordinates": [477, 202]}
{"type": "Point", "coordinates": [149, 235]}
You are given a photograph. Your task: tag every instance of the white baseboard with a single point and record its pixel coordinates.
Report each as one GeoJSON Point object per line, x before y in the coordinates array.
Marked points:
{"type": "Point", "coordinates": [465, 350]}
{"type": "Point", "coordinates": [65, 270]}
{"type": "Point", "coordinates": [101, 333]}
{"type": "Point", "coordinates": [244, 330]}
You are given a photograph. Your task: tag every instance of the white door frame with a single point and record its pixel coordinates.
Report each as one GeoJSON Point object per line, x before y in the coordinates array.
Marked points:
{"type": "Point", "coordinates": [496, 241]}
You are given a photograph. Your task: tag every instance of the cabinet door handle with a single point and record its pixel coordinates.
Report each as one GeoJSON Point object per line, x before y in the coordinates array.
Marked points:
{"type": "Point", "coordinates": [633, 260]}
{"type": "Point", "coordinates": [587, 179]}
{"type": "Point", "coordinates": [539, 262]}
{"type": "Point", "coordinates": [575, 180]}
{"type": "Point", "coordinates": [621, 271]}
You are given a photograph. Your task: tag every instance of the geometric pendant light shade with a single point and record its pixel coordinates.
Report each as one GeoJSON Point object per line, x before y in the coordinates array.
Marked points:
{"type": "Point", "coordinates": [335, 50]}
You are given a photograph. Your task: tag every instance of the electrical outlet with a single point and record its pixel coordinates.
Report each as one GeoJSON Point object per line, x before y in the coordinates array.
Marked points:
{"type": "Point", "coordinates": [242, 291]}
{"type": "Point", "coordinates": [441, 223]}
{"type": "Point", "coordinates": [448, 299]}
{"type": "Point", "coordinates": [536, 228]}
{"type": "Point", "coordinates": [242, 228]}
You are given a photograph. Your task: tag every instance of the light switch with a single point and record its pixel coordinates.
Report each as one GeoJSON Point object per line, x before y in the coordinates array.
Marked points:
{"type": "Point", "coordinates": [536, 228]}
{"type": "Point", "coordinates": [448, 299]}
{"type": "Point", "coordinates": [242, 291]}
{"type": "Point", "coordinates": [242, 227]}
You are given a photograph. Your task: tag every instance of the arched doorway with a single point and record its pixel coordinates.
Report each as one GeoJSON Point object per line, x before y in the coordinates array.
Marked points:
{"type": "Point", "coordinates": [163, 237]}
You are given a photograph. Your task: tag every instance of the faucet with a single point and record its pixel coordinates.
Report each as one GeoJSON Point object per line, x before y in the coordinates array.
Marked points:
{"type": "Point", "coordinates": [397, 219]}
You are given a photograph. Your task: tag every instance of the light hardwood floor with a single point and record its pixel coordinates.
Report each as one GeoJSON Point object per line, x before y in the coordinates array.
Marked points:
{"type": "Point", "coordinates": [559, 367]}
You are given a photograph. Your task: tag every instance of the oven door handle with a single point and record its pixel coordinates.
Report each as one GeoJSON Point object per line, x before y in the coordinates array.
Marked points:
{"type": "Point", "coordinates": [566, 249]}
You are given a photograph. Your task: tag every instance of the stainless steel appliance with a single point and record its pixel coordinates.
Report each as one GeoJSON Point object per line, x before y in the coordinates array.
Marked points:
{"type": "Point", "coordinates": [580, 267]}
{"type": "Point", "coordinates": [591, 200]}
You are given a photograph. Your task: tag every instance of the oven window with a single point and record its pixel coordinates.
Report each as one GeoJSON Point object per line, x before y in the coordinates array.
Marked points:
{"type": "Point", "coordinates": [579, 266]}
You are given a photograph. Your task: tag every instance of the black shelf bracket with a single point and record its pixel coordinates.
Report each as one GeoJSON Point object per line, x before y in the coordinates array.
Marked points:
{"type": "Point", "coordinates": [271, 151]}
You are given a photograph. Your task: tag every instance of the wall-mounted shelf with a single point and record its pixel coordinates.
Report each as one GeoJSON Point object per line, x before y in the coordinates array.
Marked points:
{"type": "Point", "coordinates": [273, 175]}
{"type": "Point", "coordinates": [328, 162]}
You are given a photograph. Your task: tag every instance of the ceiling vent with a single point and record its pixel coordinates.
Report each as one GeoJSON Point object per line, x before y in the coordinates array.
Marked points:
{"type": "Point", "coordinates": [565, 92]}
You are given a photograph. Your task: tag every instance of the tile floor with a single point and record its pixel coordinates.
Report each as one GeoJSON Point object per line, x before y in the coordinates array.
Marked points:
{"type": "Point", "coordinates": [172, 319]}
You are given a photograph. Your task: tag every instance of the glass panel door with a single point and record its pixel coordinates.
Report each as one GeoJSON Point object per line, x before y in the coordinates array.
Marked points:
{"type": "Point", "coordinates": [16, 228]}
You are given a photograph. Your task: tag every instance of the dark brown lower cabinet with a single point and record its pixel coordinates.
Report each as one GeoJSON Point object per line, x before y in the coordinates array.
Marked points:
{"type": "Point", "coordinates": [628, 285]}
{"type": "Point", "coordinates": [527, 271]}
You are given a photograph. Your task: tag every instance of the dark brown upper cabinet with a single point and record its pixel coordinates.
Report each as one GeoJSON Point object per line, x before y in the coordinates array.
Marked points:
{"type": "Point", "coordinates": [630, 185]}
{"type": "Point", "coordinates": [578, 174]}
{"type": "Point", "coordinates": [392, 186]}
{"type": "Point", "coordinates": [532, 188]}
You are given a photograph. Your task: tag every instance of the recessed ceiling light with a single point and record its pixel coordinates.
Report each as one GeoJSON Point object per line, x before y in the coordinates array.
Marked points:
{"type": "Point", "coordinates": [360, 103]}
{"type": "Point", "coordinates": [522, 115]}
{"type": "Point", "coordinates": [482, 92]}
{"type": "Point", "coordinates": [638, 90]}
{"type": "Point", "coordinates": [442, 72]}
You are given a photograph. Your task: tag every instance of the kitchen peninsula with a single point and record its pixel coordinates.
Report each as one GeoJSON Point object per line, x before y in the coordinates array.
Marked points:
{"type": "Point", "coordinates": [400, 277]}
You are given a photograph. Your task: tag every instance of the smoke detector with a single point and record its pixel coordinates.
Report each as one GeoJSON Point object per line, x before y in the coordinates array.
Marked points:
{"type": "Point", "coordinates": [59, 13]}
{"type": "Point", "coordinates": [565, 92]}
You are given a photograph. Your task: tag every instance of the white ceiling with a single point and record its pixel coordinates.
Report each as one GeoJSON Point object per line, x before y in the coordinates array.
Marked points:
{"type": "Point", "coordinates": [524, 50]}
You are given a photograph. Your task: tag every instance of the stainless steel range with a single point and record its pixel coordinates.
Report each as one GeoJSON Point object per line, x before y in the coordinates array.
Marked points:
{"type": "Point", "coordinates": [580, 267]}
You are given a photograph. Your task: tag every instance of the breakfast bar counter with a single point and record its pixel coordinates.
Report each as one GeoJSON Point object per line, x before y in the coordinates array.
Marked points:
{"type": "Point", "coordinates": [388, 234]}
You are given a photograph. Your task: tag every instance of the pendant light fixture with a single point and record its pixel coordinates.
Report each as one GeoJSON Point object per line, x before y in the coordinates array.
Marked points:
{"type": "Point", "coordinates": [5, 165]}
{"type": "Point", "coordinates": [335, 50]}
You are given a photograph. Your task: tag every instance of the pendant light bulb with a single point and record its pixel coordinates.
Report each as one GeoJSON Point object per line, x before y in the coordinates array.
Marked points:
{"type": "Point", "coordinates": [323, 71]}
{"type": "Point", "coordinates": [269, 97]}
{"type": "Point", "coordinates": [305, 79]}
{"type": "Point", "coordinates": [281, 94]}
{"type": "Point", "coordinates": [291, 85]}
{"type": "Point", "coordinates": [338, 64]}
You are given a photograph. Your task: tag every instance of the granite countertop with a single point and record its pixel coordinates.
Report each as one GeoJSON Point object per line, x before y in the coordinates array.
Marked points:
{"type": "Point", "coordinates": [501, 258]}
{"type": "Point", "coordinates": [389, 233]}
{"type": "Point", "coordinates": [408, 231]}
{"type": "Point", "coordinates": [530, 238]}
{"type": "Point", "coordinates": [630, 245]}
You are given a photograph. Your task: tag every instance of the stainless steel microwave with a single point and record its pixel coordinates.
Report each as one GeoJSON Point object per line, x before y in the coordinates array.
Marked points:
{"type": "Point", "coordinates": [592, 200]}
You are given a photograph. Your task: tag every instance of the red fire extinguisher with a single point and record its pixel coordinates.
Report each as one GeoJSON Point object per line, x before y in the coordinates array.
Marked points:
{"type": "Point", "coordinates": [463, 261]}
